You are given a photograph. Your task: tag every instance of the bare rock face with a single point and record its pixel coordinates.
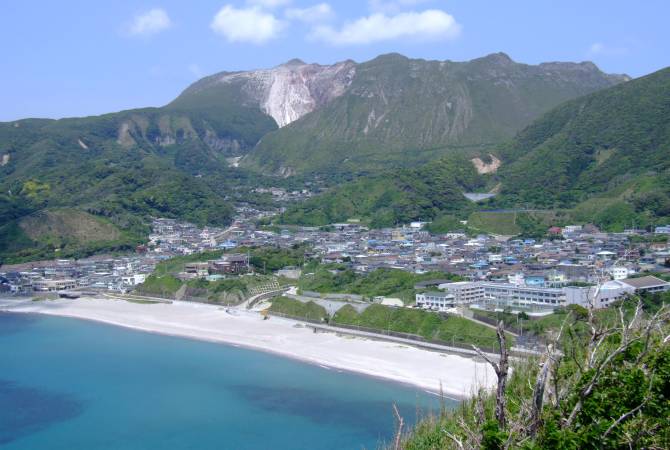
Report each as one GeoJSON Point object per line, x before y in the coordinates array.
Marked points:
{"type": "Point", "coordinates": [289, 91]}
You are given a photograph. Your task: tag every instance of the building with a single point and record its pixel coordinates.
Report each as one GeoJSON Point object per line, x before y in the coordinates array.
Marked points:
{"type": "Point", "coordinates": [435, 301]}
{"type": "Point", "coordinates": [54, 285]}
{"type": "Point", "coordinates": [506, 294]}
{"type": "Point", "coordinates": [618, 272]}
{"type": "Point", "coordinates": [464, 292]}
{"type": "Point", "coordinates": [601, 297]}
{"type": "Point", "coordinates": [648, 284]}
{"type": "Point", "coordinates": [229, 264]}
{"type": "Point", "coordinates": [199, 269]}
{"type": "Point", "coordinates": [662, 230]}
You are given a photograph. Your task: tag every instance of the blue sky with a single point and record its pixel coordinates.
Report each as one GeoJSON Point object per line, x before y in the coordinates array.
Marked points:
{"type": "Point", "coordinates": [75, 58]}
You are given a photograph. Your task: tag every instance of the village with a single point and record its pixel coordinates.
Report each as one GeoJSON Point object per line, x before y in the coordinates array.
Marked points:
{"type": "Point", "coordinates": [573, 265]}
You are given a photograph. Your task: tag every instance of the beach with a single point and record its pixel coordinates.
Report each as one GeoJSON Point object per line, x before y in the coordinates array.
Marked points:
{"type": "Point", "coordinates": [454, 375]}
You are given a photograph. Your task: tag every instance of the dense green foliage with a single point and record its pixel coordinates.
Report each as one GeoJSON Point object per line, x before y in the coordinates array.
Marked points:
{"type": "Point", "coordinates": [400, 112]}
{"type": "Point", "coordinates": [391, 198]}
{"type": "Point", "coordinates": [611, 391]}
{"type": "Point", "coordinates": [125, 167]}
{"type": "Point", "coordinates": [445, 224]}
{"type": "Point", "coordinates": [160, 285]}
{"type": "Point", "coordinates": [298, 309]}
{"type": "Point", "coordinates": [271, 259]}
{"type": "Point", "coordinates": [333, 278]}
{"type": "Point", "coordinates": [63, 233]}
{"type": "Point", "coordinates": [429, 325]}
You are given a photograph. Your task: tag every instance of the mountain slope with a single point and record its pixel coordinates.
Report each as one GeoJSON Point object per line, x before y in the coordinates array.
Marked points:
{"type": "Point", "coordinates": [591, 145]}
{"type": "Point", "coordinates": [605, 155]}
{"type": "Point", "coordinates": [395, 197]}
{"type": "Point", "coordinates": [123, 167]}
{"type": "Point", "coordinates": [398, 111]}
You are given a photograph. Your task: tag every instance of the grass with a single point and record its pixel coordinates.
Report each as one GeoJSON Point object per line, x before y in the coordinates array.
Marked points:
{"type": "Point", "coordinates": [333, 278]}
{"type": "Point", "coordinates": [163, 286]}
{"type": "Point", "coordinates": [429, 325]}
{"type": "Point", "coordinates": [295, 308]}
{"type": "Point", "coordinates": [503, 223]}
{"type": "Point", "coordinates": [141, 302]}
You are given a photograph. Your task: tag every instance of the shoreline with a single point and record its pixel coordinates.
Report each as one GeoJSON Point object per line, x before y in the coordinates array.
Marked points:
{"type": "Point", "coordinates": [452, 375]}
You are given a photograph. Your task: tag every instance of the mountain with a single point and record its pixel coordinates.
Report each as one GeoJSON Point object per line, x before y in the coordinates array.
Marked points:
{"type": "Point", "coordinates": [286, 93]}
{"type": "Point", "coordinates": [110, 173]}
{"type": "Point", "coordinates": [605, 157]}
{"type": "Point", "coordinates": [396, 111]}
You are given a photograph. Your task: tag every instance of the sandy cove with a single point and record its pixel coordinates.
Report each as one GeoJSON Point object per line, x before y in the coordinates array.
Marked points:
{"type": "Point", "coordinates": [457, 376]}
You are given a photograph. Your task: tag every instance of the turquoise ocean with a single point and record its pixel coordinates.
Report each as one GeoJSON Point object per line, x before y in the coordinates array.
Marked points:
{"type": "Point", "coordinates": [71, 384]}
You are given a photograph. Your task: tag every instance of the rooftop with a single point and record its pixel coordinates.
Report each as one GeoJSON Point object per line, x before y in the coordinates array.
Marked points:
{"type": "Point", "coordinates": [645, 282]}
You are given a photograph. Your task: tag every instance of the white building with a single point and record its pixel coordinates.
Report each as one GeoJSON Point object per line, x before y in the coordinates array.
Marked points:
{"type": "Point", "coordinates": [133, 280]}
{"type": "Point", "coordinates": [662, 230]}
{"type": "Point", "coordinates": [618, 272]}
{"type": "Point", "coordinates": [603, 297]}
{"type": "Point", "coordinates": [435, 301]}
{"type": "Point", "coordinates": [464, 292]}
{"type": "Point", "coordinates": [54, 285]}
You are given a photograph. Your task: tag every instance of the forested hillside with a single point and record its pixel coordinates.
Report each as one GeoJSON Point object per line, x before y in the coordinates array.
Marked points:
{"type": "Point", "coordinates": [122, 168]}
{"type": "Point", "coordinates": [603, 158]}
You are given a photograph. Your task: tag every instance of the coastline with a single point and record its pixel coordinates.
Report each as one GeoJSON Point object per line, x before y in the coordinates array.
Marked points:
{"type": "Point", "coordinates": [454, 375]}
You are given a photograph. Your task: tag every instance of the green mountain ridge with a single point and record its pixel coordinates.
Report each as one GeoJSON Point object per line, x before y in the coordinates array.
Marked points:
{"type": "Point", "coordinates": [399, 112]}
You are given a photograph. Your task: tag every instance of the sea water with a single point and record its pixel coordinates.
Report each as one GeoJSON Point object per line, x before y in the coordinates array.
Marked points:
{"type": "Point", "coordinates": [72, 384]}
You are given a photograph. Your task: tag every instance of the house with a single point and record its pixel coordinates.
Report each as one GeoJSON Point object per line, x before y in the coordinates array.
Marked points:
{"type": "Point", "coordinates": [618, 272]}
{"type": "Point", "coordinates": [232, 263]}
{"type": "Point", "coordinates": [199, 269]}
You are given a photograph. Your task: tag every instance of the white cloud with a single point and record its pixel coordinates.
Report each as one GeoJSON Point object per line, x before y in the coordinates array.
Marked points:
{"type": "Point", "coordinates": [246, 24]}
{"type": "Point", "coordinates": [598, 48]}
{"type": "Point", "coordinates": [393, 6]}
{"type": "Point", "coordinates": [150, 22]}
{"type": "Point", "coordinates": [426, 25]}
{"type": "Point", "coordinates": [269, 4]}
{"type": "Point", "coordinates": [312, 14]}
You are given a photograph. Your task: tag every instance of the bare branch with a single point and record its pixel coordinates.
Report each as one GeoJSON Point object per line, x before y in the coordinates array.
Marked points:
{"type": "Point", "coordinates": [398, 434]}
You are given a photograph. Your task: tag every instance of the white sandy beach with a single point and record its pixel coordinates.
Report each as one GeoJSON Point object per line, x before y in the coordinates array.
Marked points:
{"type": "Point", "coordinates": [457, 376]}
